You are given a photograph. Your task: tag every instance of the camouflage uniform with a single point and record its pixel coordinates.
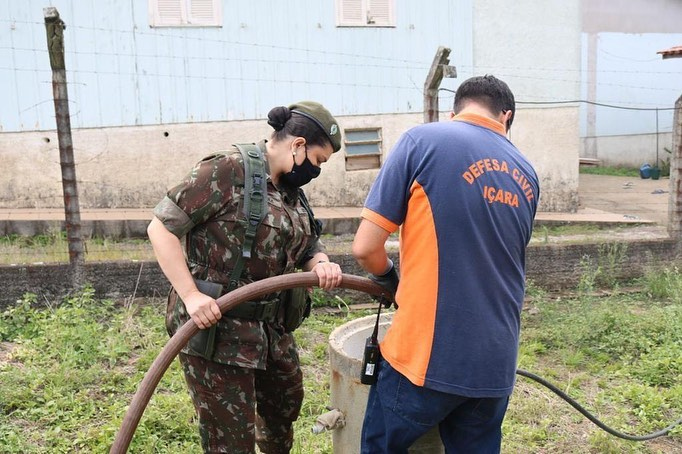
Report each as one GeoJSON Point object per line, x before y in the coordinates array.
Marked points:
{"type": "Point", "coordinates": [252, 389]}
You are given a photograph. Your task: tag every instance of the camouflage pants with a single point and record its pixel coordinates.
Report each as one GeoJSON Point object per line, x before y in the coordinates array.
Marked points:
{"type": "Point", "coordinates": [238, 407]}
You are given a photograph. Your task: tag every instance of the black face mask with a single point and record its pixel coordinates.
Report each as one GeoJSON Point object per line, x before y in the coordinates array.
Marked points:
{"type": "Point", "coordinates": [301, 174]}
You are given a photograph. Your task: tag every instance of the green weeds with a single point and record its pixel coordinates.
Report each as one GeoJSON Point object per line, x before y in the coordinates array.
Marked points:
{"type": "Point", "coordinates": [664, 283]}
{"type": "Point", "coordinates": [602, 271]}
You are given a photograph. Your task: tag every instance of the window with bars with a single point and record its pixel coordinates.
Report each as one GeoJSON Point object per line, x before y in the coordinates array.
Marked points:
{"type": "Point", "coordinates": [185, 13]}
{"type": "Point", "coordinates": [363, 148]}
{"type": "Point", "coordinates": [365, 13]}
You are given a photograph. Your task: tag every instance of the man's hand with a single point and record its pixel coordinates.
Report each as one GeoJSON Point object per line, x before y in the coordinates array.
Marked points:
{"type": "Point", "coordinates": [389, 281]}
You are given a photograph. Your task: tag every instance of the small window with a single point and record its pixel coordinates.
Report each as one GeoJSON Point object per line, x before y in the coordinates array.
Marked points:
{"type": "Point", "coordinates": [185, 13]}
{"type": "Point", "coordinates": [365, 13]}
{"type": "Point", "coordinates": [363, 148]}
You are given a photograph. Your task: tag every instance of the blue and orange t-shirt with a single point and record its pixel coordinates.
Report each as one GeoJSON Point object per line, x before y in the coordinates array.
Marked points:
{"type": "Point", "coordinates": [465, 199]}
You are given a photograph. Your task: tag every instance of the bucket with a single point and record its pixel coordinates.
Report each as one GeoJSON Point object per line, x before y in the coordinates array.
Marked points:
{"type": "Point", "coordinates": [645, 171]}
{"type": "Point", "coordinates": [346, 346]}
{"type": "Point", "coordinates": [655, 173]}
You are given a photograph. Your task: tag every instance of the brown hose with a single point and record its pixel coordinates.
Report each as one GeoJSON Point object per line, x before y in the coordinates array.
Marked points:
{"type": "Point", "coordinates": [186, 331]}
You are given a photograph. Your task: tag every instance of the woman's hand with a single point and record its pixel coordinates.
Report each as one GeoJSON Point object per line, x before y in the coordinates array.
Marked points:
{"type": "Point", "coordinates": [329, 274]}
{"type": "Point", "coordinates": [202, 308]}
{"type": "Point", "coordinates": [169, 253]}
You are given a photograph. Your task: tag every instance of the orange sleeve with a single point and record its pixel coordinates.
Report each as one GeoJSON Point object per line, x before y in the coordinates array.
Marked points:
{"type": "Point", "coordinates": [379, 220]}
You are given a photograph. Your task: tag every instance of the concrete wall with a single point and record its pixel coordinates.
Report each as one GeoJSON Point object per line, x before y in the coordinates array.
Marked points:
{"type": "Point", "coordinates": [132, 167]}
{"type": "Point", "coordinates": [549, 138]}
{"type": "Point", "coordinates": [549, 266]}
{"type": "Point", "coordinates": [633, 16]}
{"type": "Point", "coordinates": [630, 150]}
{"type": "Point", "coordinates": [622, 70]}
{"type": "Point", "coordinates": [535, 48]}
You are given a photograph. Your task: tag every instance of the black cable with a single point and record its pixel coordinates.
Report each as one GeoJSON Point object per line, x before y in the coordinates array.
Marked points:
{"type": "Point", "coordinates": [594, 103]}
{"type": "Point", "coordinates": [375, 333]}
{"type": "Point", "coordinates": [585, 101]}
{"type": "Point", "coordinates": [591, 417]}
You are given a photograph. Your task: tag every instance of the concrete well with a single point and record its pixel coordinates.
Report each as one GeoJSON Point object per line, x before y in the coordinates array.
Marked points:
{"type": "Point", "coordinates": [347, 343]}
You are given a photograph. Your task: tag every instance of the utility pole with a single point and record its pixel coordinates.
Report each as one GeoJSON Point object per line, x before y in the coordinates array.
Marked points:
{"type": "Point", "coordinates": [54, 27]}
{"type": "Point", "coordinates": [439, 68]}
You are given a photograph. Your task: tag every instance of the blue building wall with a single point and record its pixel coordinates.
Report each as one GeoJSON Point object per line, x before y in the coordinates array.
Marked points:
{"type": "Point", "coordinates": [121, 72]}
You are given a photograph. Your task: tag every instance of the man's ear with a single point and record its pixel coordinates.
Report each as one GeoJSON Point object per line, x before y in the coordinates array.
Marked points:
{"type": "Point", "coordinates": [505, 118]}
{"type": "Point", "coordinates": [452, 115]}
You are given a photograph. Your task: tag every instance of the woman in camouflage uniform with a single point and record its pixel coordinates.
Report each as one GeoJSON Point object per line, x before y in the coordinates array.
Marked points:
{"type": "Point", "coordinates": [249, 389]}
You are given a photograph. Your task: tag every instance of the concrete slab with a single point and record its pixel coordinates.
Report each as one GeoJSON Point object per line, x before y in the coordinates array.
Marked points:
{"type": "Point", "coordinates": [603, 200]}
{"type": "Point", "coordinates": [633, 199]}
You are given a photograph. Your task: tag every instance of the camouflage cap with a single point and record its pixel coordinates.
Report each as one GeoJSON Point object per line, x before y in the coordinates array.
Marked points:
{"type": "Point", "coordinates": [322, 118]}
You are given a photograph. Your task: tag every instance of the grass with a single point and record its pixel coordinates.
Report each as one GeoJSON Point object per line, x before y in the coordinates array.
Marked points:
{"type": "Point", "coordinates": [543, 233]}
{"type": "Point", "coordinates": [580, 232]}
{"type": "Point", "coordinates": [68, 371]}
{"type": "Point", "coordinates": [618, 355]}
{"type": "Point", "coordinates": [611, 171]}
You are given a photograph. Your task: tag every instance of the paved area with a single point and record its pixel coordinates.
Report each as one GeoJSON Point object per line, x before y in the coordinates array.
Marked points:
{"type": "Point", "coordinates": [631, 199]}
{"type": "Point", "coordinates": [603, 200]}
{"type": "Point", "coordinates": [90, 214]}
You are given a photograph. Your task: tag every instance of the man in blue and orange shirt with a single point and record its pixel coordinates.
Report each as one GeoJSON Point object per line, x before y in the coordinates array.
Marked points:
{"type": "Point", "coordinates": [464, 198]}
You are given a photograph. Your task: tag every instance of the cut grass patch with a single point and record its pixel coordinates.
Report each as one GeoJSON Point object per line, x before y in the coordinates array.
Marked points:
{"type": "Point", "coordinates": [611, 171]}
{"type": "Point", "coordinates": [54, 248]}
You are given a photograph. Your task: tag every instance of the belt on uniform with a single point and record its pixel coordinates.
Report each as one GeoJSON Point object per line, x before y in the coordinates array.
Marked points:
{"type": "Point", "coordinates": [265, 311]}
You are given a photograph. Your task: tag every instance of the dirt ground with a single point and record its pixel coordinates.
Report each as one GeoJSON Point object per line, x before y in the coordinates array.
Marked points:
{"type": "Point", "coordinates": [633, 198]}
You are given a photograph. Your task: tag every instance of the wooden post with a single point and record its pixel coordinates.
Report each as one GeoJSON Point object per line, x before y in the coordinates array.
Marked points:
{"type": "Point", "coordinates": [433, 82]}
{"type": "Point", "coordinates": [54, 27]}
{"type": "Point", "coordinates": [675, 200]}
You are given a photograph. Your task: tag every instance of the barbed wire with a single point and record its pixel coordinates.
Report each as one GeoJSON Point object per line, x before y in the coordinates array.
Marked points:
{"type": "Point", "coordinates": [336, 63]}
{"type": "Point", "coordinates": [629, 58]}
{"type": "Point", "coordinates": [239, 79]}
{"type": "Point", "coordinates": [77, 71]}
{"type": "Point", "coordinates": [213, 59]}
{"type": "Point", "coordinates": [326, 52]}
{"type": "Point", "coordinates": [341, 64]}
{"type": "Point", "coordinates": [157, 34]}
{"type": "Point", "coordinates": [349, 60]}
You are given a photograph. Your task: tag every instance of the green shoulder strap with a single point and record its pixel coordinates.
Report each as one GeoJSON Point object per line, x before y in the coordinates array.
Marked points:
{"type": "Point", "coordinates": [255, 202]}
{"type": "Point", "coordinates": [255, 209]}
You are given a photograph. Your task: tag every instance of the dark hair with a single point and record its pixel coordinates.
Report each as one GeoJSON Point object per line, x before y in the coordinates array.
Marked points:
{"type": "Point", "coordinates": [489, 91]}
{"type": "Point", "coordinates": [287, 123]}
